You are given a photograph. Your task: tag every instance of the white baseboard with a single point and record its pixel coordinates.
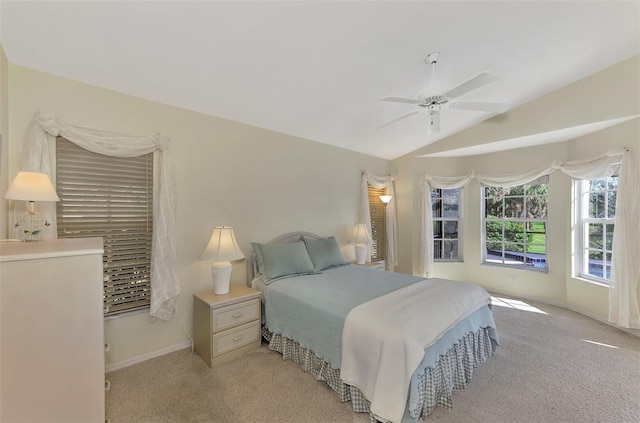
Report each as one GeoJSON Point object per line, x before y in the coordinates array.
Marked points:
{"type": "Point", "coordinates": [144, 357]}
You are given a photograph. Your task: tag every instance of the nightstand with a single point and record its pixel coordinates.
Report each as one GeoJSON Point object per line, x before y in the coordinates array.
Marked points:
{"type": "Point", "coordinates": [373, 264]}
{"type": "Point", "coordinates": [226, 326]}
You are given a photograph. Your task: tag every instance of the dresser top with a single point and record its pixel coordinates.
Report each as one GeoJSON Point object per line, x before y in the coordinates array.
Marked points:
{"type": "Point", "coordinates": [49, 248]}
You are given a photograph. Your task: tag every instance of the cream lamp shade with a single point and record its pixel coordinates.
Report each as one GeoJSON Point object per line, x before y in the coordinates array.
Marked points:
{"type": "Point", "coordinates": [221, 250]}
{"type": "Point", "coordinates": [31, 187]}
{"type": "Point", "coordinates": [385, 199]}
{"type": "Point", "coordinates": [360, 236]}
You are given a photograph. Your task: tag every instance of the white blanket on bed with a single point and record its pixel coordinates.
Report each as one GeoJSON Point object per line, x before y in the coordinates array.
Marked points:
{"type": "Point", "coordinates": [384, 339]}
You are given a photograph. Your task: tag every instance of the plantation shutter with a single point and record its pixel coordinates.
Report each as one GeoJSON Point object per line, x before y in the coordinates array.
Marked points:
{"type": "Point", "coordinates": [378, 222]}
{"type": "Point", "coordinates": [111, 197]}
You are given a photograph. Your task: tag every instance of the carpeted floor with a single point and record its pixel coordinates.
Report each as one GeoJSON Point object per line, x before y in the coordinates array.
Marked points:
{"type": "Point", "coordinates": [553, 365]}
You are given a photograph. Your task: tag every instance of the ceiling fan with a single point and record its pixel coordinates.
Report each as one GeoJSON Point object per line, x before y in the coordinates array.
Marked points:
{"type": "Point", "coordinates": [435, 98]}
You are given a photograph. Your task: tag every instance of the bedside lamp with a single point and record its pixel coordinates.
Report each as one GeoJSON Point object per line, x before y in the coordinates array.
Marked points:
{"type": "Point", "coordinates": [222, 249]}
{"type": "Point", "coordinates": [360, 236]}
{"type": "Point", "coordinates": [31, 187]}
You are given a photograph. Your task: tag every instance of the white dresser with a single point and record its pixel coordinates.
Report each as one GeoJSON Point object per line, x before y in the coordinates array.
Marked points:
{"type": "Point", "coordinates": [51, 331]}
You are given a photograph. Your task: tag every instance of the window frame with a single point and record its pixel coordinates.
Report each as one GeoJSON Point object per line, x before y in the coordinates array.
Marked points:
{"type": "Point", "coordinates": [583, 221]}
{"type": "Point", "coordinates": [439, 194]}
{"type": "Point", "coordinates": [507, 193]}
{"type": "Point", "coordinates": [122, 215]}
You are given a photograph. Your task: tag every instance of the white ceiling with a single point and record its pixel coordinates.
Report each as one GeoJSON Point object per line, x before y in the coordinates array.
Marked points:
{"type": "Point", "coordinates": [316, 69]}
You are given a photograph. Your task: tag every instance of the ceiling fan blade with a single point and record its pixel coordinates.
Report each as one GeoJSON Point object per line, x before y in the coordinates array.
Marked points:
{"type": "Point", "coordinates": [394, 120]}
{"type": "Point", "coordinates": [481, 106]}
{"type": "Point", "coordinates": [472, 84]}
{"type": "Point", "coordinates": [400, 100]}
{"type": "Point", "coordinates": [433, 125]}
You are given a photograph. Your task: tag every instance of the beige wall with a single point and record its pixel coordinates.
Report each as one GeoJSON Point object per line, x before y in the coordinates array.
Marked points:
{"type": "Point", "coordinates": [4, 139]}
{"type": "Point", "coordinates": [264, 183]}
{"type": "Point", "coordinates": [260, 182]}
{"type": "Point", "coordinates": [577, 104]}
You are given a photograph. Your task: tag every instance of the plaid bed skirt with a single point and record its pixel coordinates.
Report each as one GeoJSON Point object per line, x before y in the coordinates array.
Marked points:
{"type": "Point", "coordinates": [435, 386]}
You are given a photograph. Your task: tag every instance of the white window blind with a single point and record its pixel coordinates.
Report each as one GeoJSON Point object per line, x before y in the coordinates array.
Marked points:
{"type": "Point", "coordinates": [111, 197]}
{"type": "Point", "coordinates": [378, 223]}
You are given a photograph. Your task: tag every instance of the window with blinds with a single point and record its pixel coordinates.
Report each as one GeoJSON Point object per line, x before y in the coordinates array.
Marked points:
{"type": "Point", "coordinates": [378, 223]}
{"type": "Point", "coordinates": [111, 197]}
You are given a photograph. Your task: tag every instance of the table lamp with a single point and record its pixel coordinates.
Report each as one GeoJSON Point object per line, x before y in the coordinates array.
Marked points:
{"type": "Point", "coordinates": [31, 187]}
{"type": "Point", "coordinates": [221, 250]}
{"type": "Point", "coordinates": [360, 236]}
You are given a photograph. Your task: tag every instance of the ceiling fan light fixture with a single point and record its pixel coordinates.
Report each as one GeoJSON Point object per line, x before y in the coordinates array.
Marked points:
{"type": "Point", "coordinates": [436, 98]}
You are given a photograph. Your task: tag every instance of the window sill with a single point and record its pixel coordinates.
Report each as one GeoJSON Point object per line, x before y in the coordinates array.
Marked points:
{"type": "Point", "coordinates": [511, 267]}
{"type": "Point", "coordinates": [591, 281]}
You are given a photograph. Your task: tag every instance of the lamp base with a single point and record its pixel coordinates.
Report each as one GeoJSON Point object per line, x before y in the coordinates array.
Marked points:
{"type": "Point", "coordinates": [361, 253]}
{"type": "Point", "coordinates": [221, 275]}
{"type": "Point", "coordinates": [30, 227]}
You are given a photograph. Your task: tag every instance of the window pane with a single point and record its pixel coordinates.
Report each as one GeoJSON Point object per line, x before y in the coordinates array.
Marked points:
{"type": "Point", "coordinates": [493, 207]}
{"type": "Point", "coordinates": [597, 185]}
{"type": "Point", "coordinates": [450, 229]}
{"type": "Point", "coordinates": [492, 192]}
{"type": "Point", "coordinates": [595, 235]}
{"type": "Point", "coordinates": [450, 250]}
{"type": "Point", "coordinates": [536, 207]}
{"type": "Point", "coordinates": [611, 206]}
{"type": "Point", "coordinates": [513, 232]}
{"type": "Point", "coordinates": [514, 207]}
{"type": "Point", "coordinates": [519, 190]}
{"type": "Point", "coordinates": [436, 207]}
{"type": "Point", "coordinates": [450, 202]}
{"type": "Point", "coordinates": [493, 231]}
{"type": "Point", "coordinates": [596, 204]}
{"type": "Point", "coordinates": [609, 237]}
{"type": "Point", "coordinates": [437, 249]}
{"type": "Point", "coordinates": [608, 266]}
{"type": "Point", "coordinates": [612, 182]}
{"type": "Point", "coordinates": [514, 253]}
{"type": "Point", "coordinates": [437, 229]}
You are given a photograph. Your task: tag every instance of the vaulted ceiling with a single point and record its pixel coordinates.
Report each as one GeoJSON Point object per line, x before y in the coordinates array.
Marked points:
{"type": "Point", "coordinates": [317, 69]}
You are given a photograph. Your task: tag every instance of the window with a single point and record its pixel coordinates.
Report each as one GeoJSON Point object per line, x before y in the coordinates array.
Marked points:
{"type": "Point", "coordinates": [446, 208]}
{"type": "Point", "coordinates": [378, 223]}
{"type": "Point", "coordinates": [111, 197]}
{"type": "Point", "coordinates": [596, 212]}
{"type": "Point", "coordinates": [515, 225]}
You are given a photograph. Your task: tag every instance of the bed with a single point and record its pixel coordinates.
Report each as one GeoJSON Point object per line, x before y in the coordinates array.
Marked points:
{"type": "Point", "coordinates": [395, 345]}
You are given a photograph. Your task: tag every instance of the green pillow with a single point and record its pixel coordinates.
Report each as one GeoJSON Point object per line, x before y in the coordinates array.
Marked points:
{"type": "Point", "coordinates": [324, 253]}
{"type": "Point", "coordinates": [283, 260]}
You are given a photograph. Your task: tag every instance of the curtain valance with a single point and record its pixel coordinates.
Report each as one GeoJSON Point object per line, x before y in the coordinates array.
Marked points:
{"type": "Point", "coordinates": [44, 128]}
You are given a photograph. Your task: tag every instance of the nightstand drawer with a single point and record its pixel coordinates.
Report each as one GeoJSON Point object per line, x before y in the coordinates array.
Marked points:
{"type": "Point", "coordinates": [235, 338]}
{"type": "Point", "coordinates": [230, 316]}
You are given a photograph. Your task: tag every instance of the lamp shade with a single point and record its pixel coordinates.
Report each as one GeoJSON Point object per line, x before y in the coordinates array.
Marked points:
{"type": "Point", "coordinates": [385, 199]}
{"type": "Point", "coordinates": [31, 186]}
{"type": "Point", "coordinates": [360, 234]}
{"type": "Point", "coordinates": [222, 246]}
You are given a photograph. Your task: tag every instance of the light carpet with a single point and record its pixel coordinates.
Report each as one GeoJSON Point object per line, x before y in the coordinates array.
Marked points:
{"type": "Point", "coordinates": [553, 365]}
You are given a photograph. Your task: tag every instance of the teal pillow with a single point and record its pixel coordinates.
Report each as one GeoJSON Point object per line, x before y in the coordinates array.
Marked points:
{"type": "Point", "coordinates": [283, 260]}
{"type": "Point", "coordinates": [324, 253]}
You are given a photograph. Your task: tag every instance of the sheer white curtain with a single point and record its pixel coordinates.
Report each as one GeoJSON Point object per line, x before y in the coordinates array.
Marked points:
{"type": "Point", "coordinates": [380, 182]}
{"type": "Point", "coordinates": [43, 129]}
{"type": "Point", "coordinates": [624, 290]}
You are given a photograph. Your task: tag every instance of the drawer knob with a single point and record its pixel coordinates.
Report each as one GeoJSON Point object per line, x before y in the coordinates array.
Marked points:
{"type": "Point", "coordinates": [238, 338]}
{"type": "Point", "coordinates": [236, 315]}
